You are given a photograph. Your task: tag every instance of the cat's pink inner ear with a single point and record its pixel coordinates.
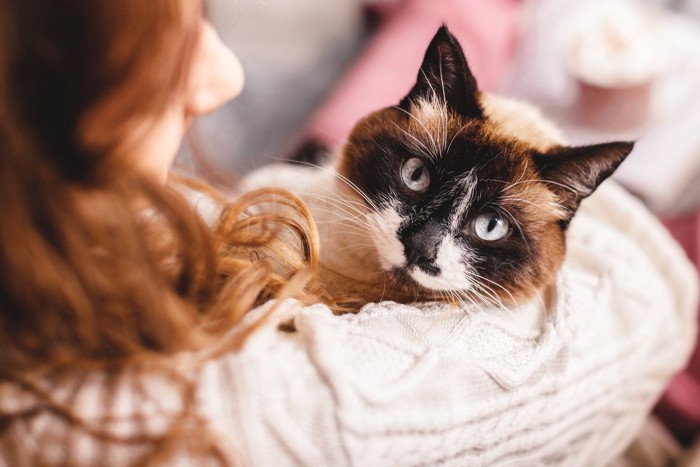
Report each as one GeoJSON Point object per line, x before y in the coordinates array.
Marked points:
{"type": "Point", "coordinates": [445, 76]}
{"type": "Point", "coordinates": [573, 173]}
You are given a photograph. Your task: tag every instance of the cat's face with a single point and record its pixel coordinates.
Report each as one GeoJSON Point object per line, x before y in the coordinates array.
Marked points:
{"type": "Point", "coordinates": [468, 193]}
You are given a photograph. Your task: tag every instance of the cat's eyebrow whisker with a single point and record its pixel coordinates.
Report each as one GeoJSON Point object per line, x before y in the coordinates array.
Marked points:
{"type": "Point", "coordinates": [443, 114]}
{"type": "Point", "coordinates": [421, 148]}
{"type": "Point", "coordinates": [457, 133]}
{"type": "Point", "coordinates": [546, 207]}
{"type": "Point", "coordinates": [486, 162]}
{"type": "Point", "coordinates": [519, 181]}
{"type": "Point", "coordinates": [541, 180]}
{"type": "Point", "coordinates": [436, 150]}
{"type": "Point", "coordinates": [522, 176]}
{"type": "Point", "coordinates": [427, 79]}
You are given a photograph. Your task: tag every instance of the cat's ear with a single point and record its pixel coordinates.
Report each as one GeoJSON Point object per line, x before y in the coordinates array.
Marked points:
{"type": "Point", "coordinates": [445, 75]}
{"type": "Point", "coordinates": [574, 173]}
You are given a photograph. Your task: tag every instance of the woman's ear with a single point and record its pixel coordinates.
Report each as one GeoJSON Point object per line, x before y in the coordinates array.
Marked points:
{"type": "Point", "coordinates": [217, 75]}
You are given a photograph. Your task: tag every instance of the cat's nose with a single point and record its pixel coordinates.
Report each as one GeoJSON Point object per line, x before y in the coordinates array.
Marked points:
{"type": "Point", "coordinates": [421, 246]}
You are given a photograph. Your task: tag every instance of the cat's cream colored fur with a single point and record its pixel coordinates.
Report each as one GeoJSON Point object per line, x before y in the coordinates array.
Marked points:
{"type": "Point", "coordinates": [522, 121]}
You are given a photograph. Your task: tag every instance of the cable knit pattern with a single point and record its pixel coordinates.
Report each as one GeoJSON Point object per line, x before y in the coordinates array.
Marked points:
{"type": "Point", "coordinates": [567, 379]}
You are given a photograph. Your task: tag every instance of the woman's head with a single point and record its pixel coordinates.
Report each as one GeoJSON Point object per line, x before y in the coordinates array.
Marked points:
{"type": "Point", "coordinates": [101, 264]}
{"type": "Point", "coordinates": [99, 261]}
{"type": "Point", "coordinates": [97, 81]}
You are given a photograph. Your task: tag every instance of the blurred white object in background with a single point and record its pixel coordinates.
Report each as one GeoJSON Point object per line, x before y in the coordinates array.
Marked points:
{"type": "Point", "coordinates": [664, 168]}
{"type": "Point", "coordinates": [613, 51]}
{"type": "Point", "coordinates": [612, 43]}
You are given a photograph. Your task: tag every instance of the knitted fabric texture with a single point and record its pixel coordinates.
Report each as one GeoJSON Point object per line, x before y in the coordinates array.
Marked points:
{"type": "Point", "coordinates": [567, 379]}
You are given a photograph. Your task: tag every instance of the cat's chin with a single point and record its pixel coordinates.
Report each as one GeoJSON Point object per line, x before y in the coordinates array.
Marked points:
{"type": "Point", "coordinates": [429, 284]}
{"type": "Point", "coordinates": [440, 282]}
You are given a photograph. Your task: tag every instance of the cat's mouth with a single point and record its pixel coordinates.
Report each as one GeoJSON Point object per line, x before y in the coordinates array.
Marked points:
{"type": "Point", "coordinates": [443, 273]}
{"type": "Point", "coordinates": [443, 269]}
{"type": "Point", "coordinates": [437, 279]}
{"type": "Point", "coordinates": [423, 265]}
{"type": "Point", "coordinates": [414, 278]}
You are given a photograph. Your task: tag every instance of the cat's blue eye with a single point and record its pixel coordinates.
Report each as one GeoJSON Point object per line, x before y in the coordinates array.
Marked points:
{"type": "Point", "coordinates": [415, 174]}
{"type": "Point", "coordinates": [491, 226]}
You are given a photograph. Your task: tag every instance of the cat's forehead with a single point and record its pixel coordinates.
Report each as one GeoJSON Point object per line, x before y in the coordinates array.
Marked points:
{"type": "Point", "coordinates": [521, 121]}
{"type": "Point", "coordinates": [508, 122]}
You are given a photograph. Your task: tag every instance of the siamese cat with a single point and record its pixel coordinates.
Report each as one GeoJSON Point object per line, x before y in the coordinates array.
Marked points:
{"type": "Point", "coordinates": [452, 195]}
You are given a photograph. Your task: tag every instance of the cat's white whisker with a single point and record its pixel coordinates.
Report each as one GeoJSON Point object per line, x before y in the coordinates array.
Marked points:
{"type": "Point", "coordinates": [548, 206]}
{"type": "Point", "coordinates": [355, 210]}
{"type": "Point", "coordinates": [347, 181]}
{"type": "Point", "coordinates": [357, 246]}
{"type": "Point", "coordinates": [510, 295]}
{"type": "Point", "coordinates": [351, 213]}
{"type": "Point", "coordinates": [520, 179]}
{"type": "Point", "coordinates": [540, 180]}
{"type": "Point", "coordinates": [457, 133]}
{"type": "Point", "coordinates": [429, 81]}
{"type": "Point", "coordinates": [443, 114]}
{"type": "Point", "coordinates": [356, 229]}
{"type": "Point", "coordinates": [435, 152]}
{"type": "Point", "coordinates": [421, 149]}
{"type": "Point", "coordinates": [468, 297]}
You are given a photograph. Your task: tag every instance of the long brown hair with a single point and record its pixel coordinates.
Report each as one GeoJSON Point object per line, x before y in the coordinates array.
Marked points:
{"type": "Point", "coordinates": [99, 266]}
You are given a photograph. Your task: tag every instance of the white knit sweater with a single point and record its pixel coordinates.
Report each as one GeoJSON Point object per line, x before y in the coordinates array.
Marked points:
{"type": "Point", "coordinates": [565, 380]}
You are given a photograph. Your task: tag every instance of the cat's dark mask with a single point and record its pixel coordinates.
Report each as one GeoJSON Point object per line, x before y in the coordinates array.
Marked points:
{"type": "Point", "coordinates": [466, 191]}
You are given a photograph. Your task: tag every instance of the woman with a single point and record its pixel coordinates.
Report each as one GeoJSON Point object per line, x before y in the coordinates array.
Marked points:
{"type": "Point", "coordinates": [102, 266]}
{"type": "Point", "coordinates": [123, 318]}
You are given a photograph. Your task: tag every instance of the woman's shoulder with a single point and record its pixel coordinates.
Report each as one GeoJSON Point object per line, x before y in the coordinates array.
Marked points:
{"type": "Point", "coordinates": [568, 376]}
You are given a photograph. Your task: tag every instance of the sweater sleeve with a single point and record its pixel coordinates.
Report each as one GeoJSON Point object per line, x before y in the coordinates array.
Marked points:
{"type": "Point", "coordinates": [567, 379]}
